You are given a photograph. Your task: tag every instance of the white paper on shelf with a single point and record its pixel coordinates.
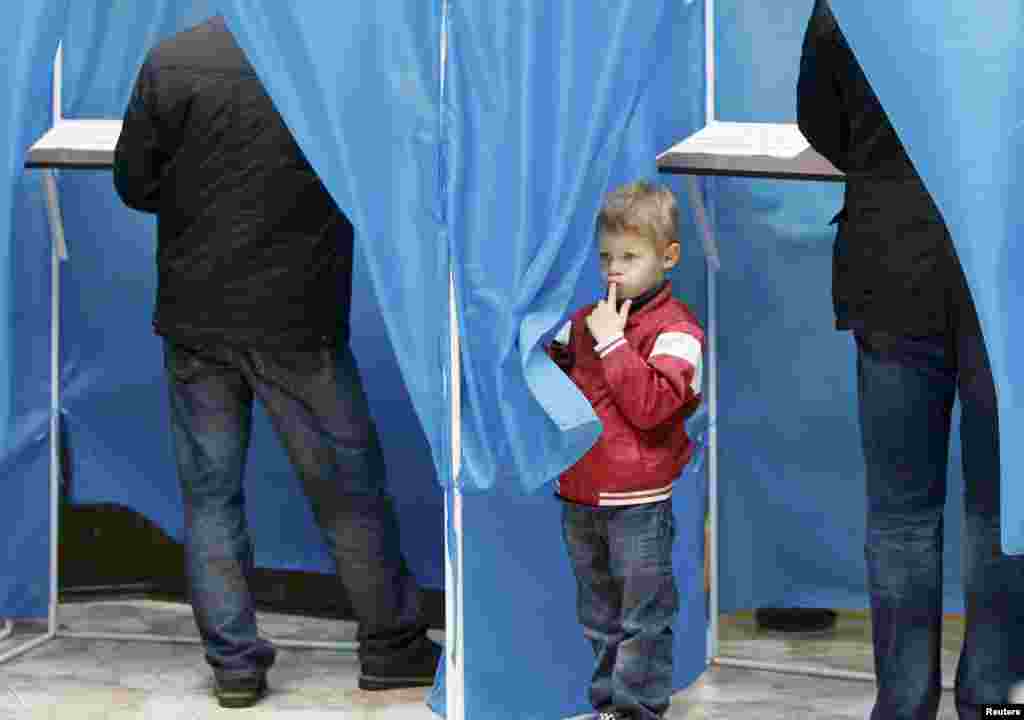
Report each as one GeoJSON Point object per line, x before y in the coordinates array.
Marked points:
{"type": "Point", "coordinates": [100, 135]}
{"type": "Point", "coordinates": [778, 140]}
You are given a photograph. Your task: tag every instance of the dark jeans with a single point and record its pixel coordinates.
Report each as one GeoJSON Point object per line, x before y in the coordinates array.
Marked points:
{"type": "Point", "coordinates": [626, 600]}
{"type": "Point", "coordinates": [906, 390]}
{"type": "Point", "coordinates": [316, 403]}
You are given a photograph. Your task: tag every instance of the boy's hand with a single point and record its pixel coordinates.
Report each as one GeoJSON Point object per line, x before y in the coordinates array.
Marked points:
{"type": "Point", "coordinates": [605, 322]}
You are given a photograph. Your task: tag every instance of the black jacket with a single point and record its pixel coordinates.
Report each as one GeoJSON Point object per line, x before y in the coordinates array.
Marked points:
{"type": "Point", "coordinates": [252, 251]}
{"type": "Point", "coordinates": [894, 263]}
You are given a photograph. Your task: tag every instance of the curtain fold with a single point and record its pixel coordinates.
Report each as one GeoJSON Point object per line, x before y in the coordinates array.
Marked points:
{"type": "Point", "coordinates": [541, 95]}
{"type": "Point", "coordinates": [358, 85]}
{"type": "Point", "coordinates": [956, 102]}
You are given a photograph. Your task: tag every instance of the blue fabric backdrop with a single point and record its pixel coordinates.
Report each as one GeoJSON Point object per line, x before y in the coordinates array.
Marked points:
{"type": "Point", "coordinates": [960, 120]}
{"type": "Point", "coordinates": [28, 41]}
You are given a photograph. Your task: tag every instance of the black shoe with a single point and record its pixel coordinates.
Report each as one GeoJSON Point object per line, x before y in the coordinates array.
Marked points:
{"type": "Point", "coordinates": [240, 692]}
{"type": "Point", "coordinates": [415, 670]}
{"type": "Point", "coordinates": [610, 715]}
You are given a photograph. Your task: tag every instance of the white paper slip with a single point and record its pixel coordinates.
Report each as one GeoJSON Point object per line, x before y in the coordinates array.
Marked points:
{"type": "Point", "coordinates": [777, 140]}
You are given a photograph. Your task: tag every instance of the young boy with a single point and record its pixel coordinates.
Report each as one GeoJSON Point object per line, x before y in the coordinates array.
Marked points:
{"type": "Point", "coordinates": [636, 355]}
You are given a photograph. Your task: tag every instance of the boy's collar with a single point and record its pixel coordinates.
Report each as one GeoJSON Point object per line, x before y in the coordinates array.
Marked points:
{"type": "Point", "coordinates": [644, 298]}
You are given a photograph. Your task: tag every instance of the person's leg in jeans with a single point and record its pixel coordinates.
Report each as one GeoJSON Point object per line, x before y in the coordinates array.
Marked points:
{"type": "Point", "coordinates": [210, 403]}
{"type": "Point", "coordinates": [585, 531]}
{"type": "Point", "coordinates": [992, 659]}
{"type": "Point", "coordinates": [316, 403]}
{"type": "Point", "coordinates": [640, 539]}
{"type": "Point", "coordinates": [906, 389]}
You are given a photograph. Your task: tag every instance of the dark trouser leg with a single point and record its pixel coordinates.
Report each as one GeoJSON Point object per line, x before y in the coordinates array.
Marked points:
{"type": "Point", "coordinates": [584, 530]}
{"type": "Point", "coordinates": [211, 405]}
{"type": "Point", "coordinates": [992, 659]}
{"type": "Point", "coordinates": [317, 405]}
{"type": "Point", "coordinates": [640, 541]}
{"type": "Point", "coordinates": [906, 389]}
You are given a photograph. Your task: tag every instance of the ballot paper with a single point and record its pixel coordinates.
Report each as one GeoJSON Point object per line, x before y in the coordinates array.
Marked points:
{"type": "Point", "coordinates": [776, 140]}
{"type": "Point", "coordinates": [76, 143]}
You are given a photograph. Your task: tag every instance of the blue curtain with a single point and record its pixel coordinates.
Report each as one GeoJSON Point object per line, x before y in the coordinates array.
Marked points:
{"type": "Point", "coordinates": [960, 120]}
{"type": "Point", "coordinates": [358, 85]}
{"type": "Point", "coordinates": [540, 98]}
{"type": "Point", "coordinates": [550, 105]}
{"type": "Point", "coordinates": [28, 40]}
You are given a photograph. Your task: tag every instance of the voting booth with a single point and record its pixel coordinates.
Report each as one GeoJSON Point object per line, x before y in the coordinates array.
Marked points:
{"type": "Point", "coordinates": [471, 144]}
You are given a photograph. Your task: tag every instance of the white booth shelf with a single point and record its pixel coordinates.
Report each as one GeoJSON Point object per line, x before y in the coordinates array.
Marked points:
{"type": "Point", "coordinates": [768, 150]}
{"type": "Point", "coordinates": [76, 144]}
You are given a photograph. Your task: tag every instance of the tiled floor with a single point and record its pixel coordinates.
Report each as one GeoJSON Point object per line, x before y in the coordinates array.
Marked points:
{"type": "Point", "coordinates": [72, 679]}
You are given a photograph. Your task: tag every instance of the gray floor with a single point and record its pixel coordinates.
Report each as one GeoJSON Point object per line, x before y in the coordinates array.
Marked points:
{"type": "Point", "coordinates": [119, 680]}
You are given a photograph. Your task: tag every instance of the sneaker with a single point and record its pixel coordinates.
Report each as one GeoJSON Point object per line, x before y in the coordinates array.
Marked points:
{"type": "Point", "coordinates": [610, 715]}
{"type": "Point", "coordinates": [240, 692]}
{"type": "Point", "coordinates": [416, 670]}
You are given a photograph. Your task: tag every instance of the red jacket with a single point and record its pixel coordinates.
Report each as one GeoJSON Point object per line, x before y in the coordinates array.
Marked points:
{"type": "Point", "coordinates": [642, 386]}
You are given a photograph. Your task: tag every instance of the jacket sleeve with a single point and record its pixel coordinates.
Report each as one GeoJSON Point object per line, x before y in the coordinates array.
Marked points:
{"type": "Point", "coordinates": [138, 158]}
{"type": "Point", "coordinates": [560, 349]}
{"type": "Point", "coordinates": [821, 114]}
{"type": "Point", "coordinates": [649, 391]}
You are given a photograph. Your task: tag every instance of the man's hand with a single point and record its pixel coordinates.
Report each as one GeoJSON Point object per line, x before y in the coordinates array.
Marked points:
{"type": "Point", "coordinates": [605, 322]}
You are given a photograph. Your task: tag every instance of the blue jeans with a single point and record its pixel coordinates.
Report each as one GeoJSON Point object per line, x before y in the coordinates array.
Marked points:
{"type": "Point", "coordinates": [626, 600]}
{"type": "Point", "coordinates": [316, 404]}
{"type": "Point", "coordinates": [906, 389]}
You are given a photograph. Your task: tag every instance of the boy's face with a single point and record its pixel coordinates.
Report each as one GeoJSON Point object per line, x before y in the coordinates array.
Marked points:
{"type": "Point", "coordinates": [633, 262]}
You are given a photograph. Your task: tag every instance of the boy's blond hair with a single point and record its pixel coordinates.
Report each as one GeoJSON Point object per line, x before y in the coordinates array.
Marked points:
{"type": "Point", "coordinates": [642, 208]}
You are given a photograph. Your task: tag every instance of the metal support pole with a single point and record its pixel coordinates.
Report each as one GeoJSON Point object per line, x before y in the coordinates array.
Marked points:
{"type": "Point", "coordinates": [709, 61]}
{"type": "Point", "coordinates": [455, 671]}
{"type": "Point", "coordinates": [712, 265]}
{"type": "Point", "coordinates": [455, 646]}
{"type": "Point", "coordinates": [57, 253]}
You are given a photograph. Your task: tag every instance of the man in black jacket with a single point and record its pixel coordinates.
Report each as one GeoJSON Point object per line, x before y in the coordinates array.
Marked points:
{"type": "Point", "coordinates": [254, 267]}
{"type": "Point", "coordinates": [897, 284]}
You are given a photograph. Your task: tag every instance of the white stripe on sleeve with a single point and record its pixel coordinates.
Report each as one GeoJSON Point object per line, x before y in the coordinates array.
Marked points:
{"type": "Point", "coordinates": [685, 347]}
